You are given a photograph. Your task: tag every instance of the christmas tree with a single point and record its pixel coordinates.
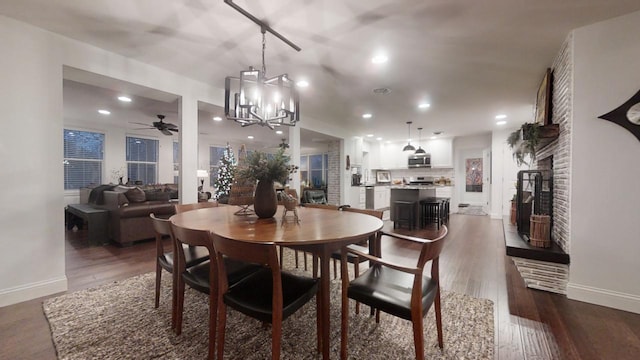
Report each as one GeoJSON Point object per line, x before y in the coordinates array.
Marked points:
{"type": "Point", "coordinates": [226, 172]}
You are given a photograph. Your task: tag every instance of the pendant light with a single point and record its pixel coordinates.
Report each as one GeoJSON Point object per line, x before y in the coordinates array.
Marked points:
{"type": "Point", "coordinates": [420, 149]}
{"type": "Point", "coordinates": [409, 147]}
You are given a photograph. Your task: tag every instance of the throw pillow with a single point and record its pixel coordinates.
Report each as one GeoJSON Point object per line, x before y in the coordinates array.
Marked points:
{"type": "Point", "coordinates": [136, 195]}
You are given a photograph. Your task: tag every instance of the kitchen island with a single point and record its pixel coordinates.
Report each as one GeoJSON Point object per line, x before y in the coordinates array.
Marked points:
{"type": "Point", "coordinates": [411, 193]}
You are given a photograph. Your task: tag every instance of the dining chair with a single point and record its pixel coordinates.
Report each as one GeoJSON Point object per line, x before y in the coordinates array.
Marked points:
{"type": "Point", "coordinates": [402, 291]}
{"type": "Point", "coordinates": [165, 260]}
{"type": "Point", "coordinates": [321, 206]}
{"type": "Point", "coordinates": [294, 193]}
{"type": "Point", "coordinates": [203, 277]}
{"type": "Point", "coordinates": [180, 208]}
{"type": "Point", "coordinates": [269, 295]}
{"type": "Point", "coordinates": [362, 247]}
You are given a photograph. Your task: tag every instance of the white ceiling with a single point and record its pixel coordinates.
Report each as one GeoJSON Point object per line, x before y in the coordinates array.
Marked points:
{"type": "Point", "coordinates": [470, 59]}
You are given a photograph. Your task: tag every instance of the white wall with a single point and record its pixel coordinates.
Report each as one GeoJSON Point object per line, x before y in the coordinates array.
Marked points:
{"type": "Point", "coordinates": [605, 241]}
{"type": "Point", "coordinates": [504, 173]}
{"type": "Point", "coordinates": [464, 148]}
{"type": "Point", "coordinates": [31, 101]}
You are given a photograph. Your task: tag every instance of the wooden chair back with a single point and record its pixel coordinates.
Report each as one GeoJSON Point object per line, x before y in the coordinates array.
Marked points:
{"type": "Point", "coordinates": [189, 237]}
{"type": "Point", "coordinates": [257, 253]}
{"type": "Point", "coordinates": [321, 206]}
{"type": "Point", "coordinates": [376, 213]}
{"type": "Point", "coordinates": [180, 208]}
{"type": "Point", "coordinates": [162, 228]}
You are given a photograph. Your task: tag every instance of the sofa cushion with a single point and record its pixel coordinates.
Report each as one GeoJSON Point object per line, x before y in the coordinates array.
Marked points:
{"type": "Point", "coordinates": [135, 195]}
{"type": "Point", "coordinates": [156, 195]}
{"type": "Point", "coordinates": [144, 209]}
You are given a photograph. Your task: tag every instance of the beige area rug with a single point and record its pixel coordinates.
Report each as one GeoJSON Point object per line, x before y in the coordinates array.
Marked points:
{"type": "Point", "coordinates": [471, 210]}
{"type": "Point", "coordinates": [118, 321]}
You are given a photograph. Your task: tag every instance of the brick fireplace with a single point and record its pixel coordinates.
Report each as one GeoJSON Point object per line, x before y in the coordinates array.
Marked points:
{"type": "Point", "coordinates": [549, 269]}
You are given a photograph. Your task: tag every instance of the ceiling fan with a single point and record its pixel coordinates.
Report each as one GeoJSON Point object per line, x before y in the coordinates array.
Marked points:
{"type": "Point", "coordinates": [165, 128]}
{"type": "Point", "coordinates": [283, 145]}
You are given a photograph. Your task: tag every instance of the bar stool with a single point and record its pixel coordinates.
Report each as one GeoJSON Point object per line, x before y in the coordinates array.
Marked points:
{"type": "Point", "coordinates": [444, 210]}
{"type": "Point", "coordinates": [430, 212]}
{"type": "Point", "coordinates": [404, 213]}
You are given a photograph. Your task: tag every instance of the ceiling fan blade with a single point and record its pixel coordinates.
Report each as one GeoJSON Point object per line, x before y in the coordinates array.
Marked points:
{"type": "Point", "coordinates": [137, 123]}
{"type": "Point", "coordinates": [174, 130]}
{"type": "Point", "coordinates": [166, 132]}
{"type": "Point", "coordinates": [147, 128]}
{"type": "Point", "coordinates": [170, 125]}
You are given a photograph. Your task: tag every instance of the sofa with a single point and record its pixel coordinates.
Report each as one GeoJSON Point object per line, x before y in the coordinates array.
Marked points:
{"type": "Point", "coordinates": [129, 210]}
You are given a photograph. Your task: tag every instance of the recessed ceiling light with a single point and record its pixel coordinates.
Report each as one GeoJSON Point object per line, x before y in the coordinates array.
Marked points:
{"type": "Point", "coordinates": [279, 132]}
{"type": "Point", "coordinates": [217, 118]}
{"type": "Point", "coordinates": [434, 137]}
{"type": "Point", "coordinates": [302, 84]}
{"type": "Point", "coordinates": [124, 98]}
{"type": "Point", "coordinates": [250, 137]}
{"type": "Point", "coordinates": [424, 105]}
{"type": "Point", "coordinates": [501, 116]}
{"type": "Point", "coordinates": [501, 122]}
{"type": "Point", "coordinates": [366, 116]}
{"type": "Point", "coordinates": [379, 59]}
{"type": "Point", "coordinates": [104, 112]}
{"type": "Point", "coordinates": [379, 138]}
{"type": "Point", "coordinates": [369, 135]}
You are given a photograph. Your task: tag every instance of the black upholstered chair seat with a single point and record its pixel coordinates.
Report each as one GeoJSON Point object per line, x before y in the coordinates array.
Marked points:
{"type": "Point", "coordinates": [389, 290]}
{"type": "Point", "coordinates": [252, 295]}
{"type": "Point", "coordinates": [197, 276]}
{"type": "Point", "coordinates": [194, 255]}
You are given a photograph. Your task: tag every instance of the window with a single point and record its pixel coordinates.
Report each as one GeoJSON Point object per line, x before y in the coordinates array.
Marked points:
{"type": "Point", "coordinates": [83, 155]}
{"type": "Point", "coordinates": [314, 170]}
{"type": "Point", "coordinates": [215, 154]}
{"type": "Point", "coordinates": [176, 161]}
{"type": "Point", "coordinates": [142, 160]}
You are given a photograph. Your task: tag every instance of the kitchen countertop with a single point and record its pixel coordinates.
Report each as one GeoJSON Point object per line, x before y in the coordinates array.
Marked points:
{"type": "Point", "coordinates": [417, 187]}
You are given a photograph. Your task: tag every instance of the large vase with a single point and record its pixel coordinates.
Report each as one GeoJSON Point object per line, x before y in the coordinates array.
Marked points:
{"type": "Point", "coordinates": [265, 202]}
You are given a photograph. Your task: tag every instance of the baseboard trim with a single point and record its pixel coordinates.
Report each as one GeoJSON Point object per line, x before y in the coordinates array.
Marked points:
{"type": "Point", "coordinates": [604, 297]}
{"type": "Point", "coordinates": [35, 290]}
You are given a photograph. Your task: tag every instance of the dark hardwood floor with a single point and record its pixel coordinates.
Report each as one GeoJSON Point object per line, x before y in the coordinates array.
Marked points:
{"type": "Point", "coordinates": [529, 324]}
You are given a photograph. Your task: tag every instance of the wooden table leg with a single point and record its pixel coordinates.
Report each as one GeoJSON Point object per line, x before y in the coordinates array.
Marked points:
{"type": "Point", "coordinates": [324, 301]}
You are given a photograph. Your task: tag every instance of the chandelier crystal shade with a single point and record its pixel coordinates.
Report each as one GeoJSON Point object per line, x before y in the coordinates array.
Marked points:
{"type": "Point", "coordinates": [409, 147]}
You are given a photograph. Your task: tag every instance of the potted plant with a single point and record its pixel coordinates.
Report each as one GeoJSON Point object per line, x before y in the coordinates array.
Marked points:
{"type": "Point", "coordinates": [523, 142]}
{"type": "Point", "coordinates": [266, 169]}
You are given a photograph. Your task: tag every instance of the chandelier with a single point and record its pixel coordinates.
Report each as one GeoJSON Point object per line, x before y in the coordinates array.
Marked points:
{"type": "Point", "coordinates": [257, 99]}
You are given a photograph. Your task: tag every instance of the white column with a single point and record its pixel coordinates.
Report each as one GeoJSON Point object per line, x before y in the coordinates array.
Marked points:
{"type": "Point", "coordinates": [188, 114]}
{"type": "Point", "coordinates": [294, 145]}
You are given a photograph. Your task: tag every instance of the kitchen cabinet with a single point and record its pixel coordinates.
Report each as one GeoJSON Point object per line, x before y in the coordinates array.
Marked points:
{"type": "Point", "coordinates": [357, 197]}
{"type": "Point", "coordinates": [382, 196]}
{"type": "Point", "coordinates": [444, 191]}
{"type": "Point", "coordinates": [355, 150]}
{"type": "Point", "coordinates": [391, 156]}
{"type": "Point", "coordinates": [441, 151]}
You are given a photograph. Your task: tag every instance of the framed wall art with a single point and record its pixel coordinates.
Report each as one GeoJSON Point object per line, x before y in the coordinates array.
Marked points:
{"type": "Point", "coordinates": [383, 176]}
{"type": "Point", "coordinates": [543, 100]}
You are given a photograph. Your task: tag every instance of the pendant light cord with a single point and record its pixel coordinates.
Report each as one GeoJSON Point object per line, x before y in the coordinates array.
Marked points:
{"type": "Point", "coordinates": [264, 48]}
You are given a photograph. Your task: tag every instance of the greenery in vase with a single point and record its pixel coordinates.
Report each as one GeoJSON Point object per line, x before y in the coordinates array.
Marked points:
{"type": "Point", "coordinates": [270, 167]}
{"type": "Point", "coordinates": [523, 142]}
{"type": "Point", "coordinates": [226, 172]}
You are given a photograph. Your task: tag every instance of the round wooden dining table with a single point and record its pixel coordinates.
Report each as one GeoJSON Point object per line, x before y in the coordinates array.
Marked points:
{"type": "Point", "coordinates": [319, 231]}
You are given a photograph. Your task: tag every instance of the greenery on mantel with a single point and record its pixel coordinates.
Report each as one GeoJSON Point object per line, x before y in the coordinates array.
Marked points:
{"type": "Point", "coordinates": [523, 142]}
